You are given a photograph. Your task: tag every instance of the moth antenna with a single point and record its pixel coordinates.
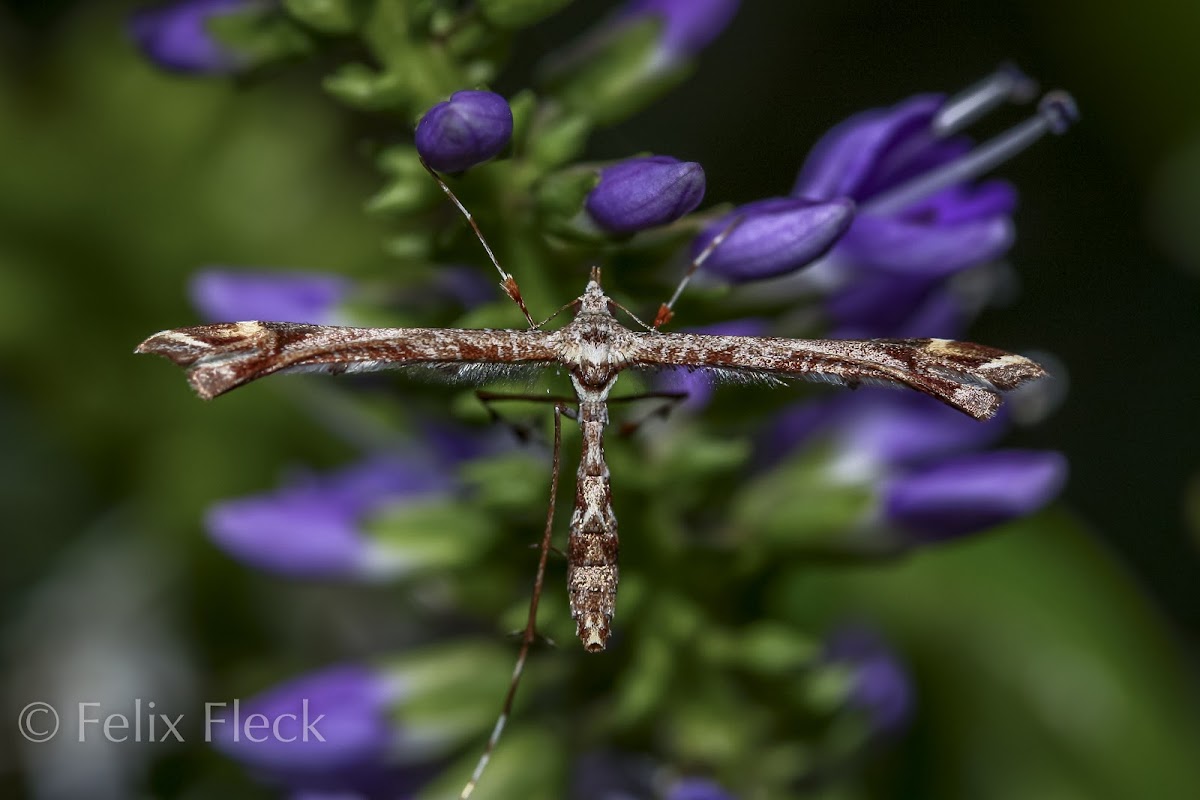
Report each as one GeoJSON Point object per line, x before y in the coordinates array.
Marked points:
{"type": "Point", "coordinates": [664, 311]}
{"type": "Point", "coordinates": [530, 634]}
{"type": "Point", "coordinates": [507, 282]}
{"type": "Point", "coordinates": [631, 315]}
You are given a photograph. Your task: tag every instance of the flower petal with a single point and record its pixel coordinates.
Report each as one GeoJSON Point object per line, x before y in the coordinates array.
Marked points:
{"type": "Point", "coordinates": [874, 305]}
{"type": "Point", "coordinates": [688, 25]}
{"type": "Point", "coordinates": [969, 493]}
{"type": "Point", "coordinates": [326, 731]}
{"type": "Point", "coordinates": [920, 249]}
{"type": "Point", "coordinates": [228, 296]}
{"type": "Point", "coordinates": [844, 159]}
{"type": "Point", "coordinates": [176, 36]}
{"type": "Point", "coordinates": [881, 685]}
{"type": "Point", "coordinates": [312, 527]}
{"type": "Point", "coordinates": [697, 789]}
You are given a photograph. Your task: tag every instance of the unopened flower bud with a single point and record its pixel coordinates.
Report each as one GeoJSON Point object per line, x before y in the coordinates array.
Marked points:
{"type": "Point", "coordinates": [775, 236]}
{"type": "Point", "coordinates": [468, 129]}
{"type": "Point", "coordinates": [645, 192]}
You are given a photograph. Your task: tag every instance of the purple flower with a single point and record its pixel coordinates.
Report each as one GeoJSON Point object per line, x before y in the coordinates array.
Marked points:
{"type": "Point", "coordinates": [612, 776]}
{"type": "Point", "coordinates": [313, 526]}
{"type": "Point", "coordinates": [642, 193]}
{"type": "Point", "coordinates": [882, 305]}
{"type": "Point", "coordinates": [969, 493]}
{"type": "Point", "coordinates": [774, 236]}
{"type": "Point", "coordinates": [879, 686]}
{"type": "Point", "coordinates": [699, 384]}
{"type": "Point", "coordinates": [620, 776]}
{"type": "Point", "coordinates": [464, 285]}
{"type": "Point", "coordinates": [328, 731]}
{"type": "Point", "coordinates": [468, 129]}
{"type": "Point", "coordinates": [878, 150]}
{"type": "Point", "coordinates": [688, 25]}
{"type": "Point", "coordinates": [877, 431]}
{"type": "Point", "coordinates": [176, 36]}
{"type": "Point", "coordinates": [920, 212]}
{"type": "Point", "coordinates": [228, 296]}
{"type": "Point", "coordinates": [696, 789]}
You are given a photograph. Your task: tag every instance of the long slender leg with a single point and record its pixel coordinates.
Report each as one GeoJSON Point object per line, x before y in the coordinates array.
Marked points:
{"type": "Point", "coordinates": [673, 399]}
{"type": "Point", "coordinates": [530, 634]}
{"type": "Point", "coordinates": [523, 432]}
{"type": "Point", "coordinates": [507, 282]}
{"type": "Point", "coordinates": [664, 311]}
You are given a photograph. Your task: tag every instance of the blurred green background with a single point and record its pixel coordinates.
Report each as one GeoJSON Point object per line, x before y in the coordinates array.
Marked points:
{"type": "Point", "coordinates": [117, 182]}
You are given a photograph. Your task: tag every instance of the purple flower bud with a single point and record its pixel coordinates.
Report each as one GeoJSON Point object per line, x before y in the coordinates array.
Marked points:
{"type": "Point", "coordinates": [880, 686]}
{"type": "Point", "coordinates": [699, 384]}
{"type": "Point", "coordinates": [228, 296]}
{"type": "Point", "coordinates": [176, 36]}
{"type": "Point", "coordinates": [969, 493]}
{"type": "Point", "coordinates": [642, 193]}
{"type": "Point", "coordinates": [696, 789]}
{"type": "Point", "coordinates": [313, 526]}
{"type": "Point", "coordinates": [688, 25]}
{"type": "Point", "coordinates": [468, 129]}
{"type": "Point", "coordinates": [327, 731]}
{"type": "Point", "coordinates": [775, 236]}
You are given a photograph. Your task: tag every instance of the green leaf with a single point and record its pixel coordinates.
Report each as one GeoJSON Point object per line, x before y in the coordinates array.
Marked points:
{"type": "Point", "coordinates": [514, 14]}
{"type": "Point", "coordinates": [432, 535]}
{"type": "Point", "coordinates": [450, 692]}
{"type": "Point", "coordinates": [766, 648]}
{"type": "Point", "coordinates": [611, 78]}
{"type": "Point", "coordinates": [560, 198]}
{"type": "Point", "coordinates": [359, 86]}
{"type": "Point", "coordinates": [1035, 654]}
{"type": "Point", "coordinates": [531, 763]}
{"type": "Point", "coordinates": [334, 17]}
{"type": "Point", "coordinates": [513, 482]}
{"type": "Point", "coordinates": [260, 34]}
{"type": "Point", "coordinates": [796, 506]}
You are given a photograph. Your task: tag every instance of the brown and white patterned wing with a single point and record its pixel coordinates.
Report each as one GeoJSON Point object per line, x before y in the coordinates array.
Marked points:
{"type": "Point", "coordinates": [224, 356]}
{"type": "Point", "coordinates": [969, 377]}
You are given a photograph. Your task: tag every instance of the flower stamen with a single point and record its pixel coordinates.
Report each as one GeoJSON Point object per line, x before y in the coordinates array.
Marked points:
{"type": "Point", "coordinates": [1056, 112]}
{"type": "Point", "coordinates": [1006, 85]}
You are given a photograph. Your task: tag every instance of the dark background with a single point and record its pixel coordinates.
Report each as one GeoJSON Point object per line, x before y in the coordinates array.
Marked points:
{"type": "Point", "coordinates": [116, 182]}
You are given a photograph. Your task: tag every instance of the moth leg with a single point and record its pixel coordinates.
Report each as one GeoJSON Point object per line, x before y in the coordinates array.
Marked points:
{"type": "Point", "coordinates": [662, 411]}
{"type": "Point", "coordinates": [666, 310]}
{"type": "Point", "coordinates": [522, 431]}
{"type": "Point", "coordinates": [507, 282]}
{"type": "Point", "coordinates": [530, 634]}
